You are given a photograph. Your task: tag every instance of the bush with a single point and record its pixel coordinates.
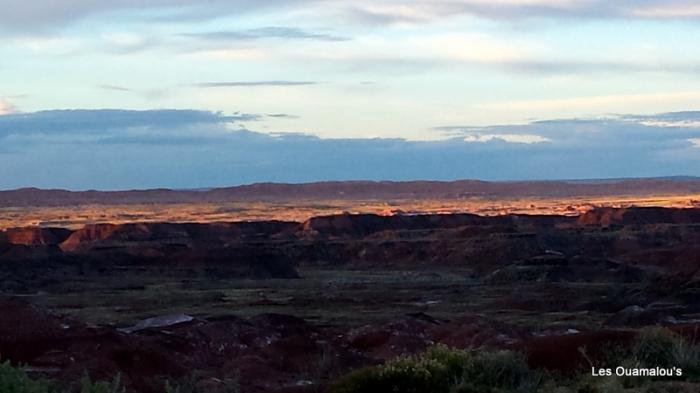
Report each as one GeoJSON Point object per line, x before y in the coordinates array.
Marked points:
{"type": "Point", "coordinates": [659, 347]}
{"type": "Point", "coordinates": [455, 361]}
{"type": "Point", "coordinates": [13, 380]}
{"type": "Point", "coordinates": [16, 380]}
{"type": "Point", "coordinates": [655, 347]}
{"type": "Point", "coordinates": [687, 357]}
{"type": "Point", "coordinates": [402, 375]}
{"type": "Point", "coordinates": [88, 386]}
{"type": "Point", "coordinates": [589, 384]}
{"type": "Point", "coordinates": [503, 369]}
{"type": "Point", "coordinates": [443, 370]}
{"type": "Point", "coordinates": [196, 384]}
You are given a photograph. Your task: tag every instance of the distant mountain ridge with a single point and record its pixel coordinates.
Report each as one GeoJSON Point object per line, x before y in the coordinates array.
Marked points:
{"type": "Point", "coordinates": [359, 190]}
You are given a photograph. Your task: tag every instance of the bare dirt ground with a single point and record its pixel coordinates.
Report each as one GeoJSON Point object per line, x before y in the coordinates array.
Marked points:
{"type": "Point", "coordinates": [77, 216]}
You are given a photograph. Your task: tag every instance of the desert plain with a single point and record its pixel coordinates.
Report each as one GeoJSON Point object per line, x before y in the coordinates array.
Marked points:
{"type": "Point", "coordinates": [292, 291]}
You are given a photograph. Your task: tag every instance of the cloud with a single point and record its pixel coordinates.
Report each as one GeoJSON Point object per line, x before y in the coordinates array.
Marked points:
{"type": "Point", "coordinates": [671, 116]}
{"type": "Point", "coordinates": [127, 149]}
{"type": "Point", "coordinates": [290, 33]}
{"type": "Point", "coordinates": [276, 83]}
{"type": "Point", "coordinates": [159, 93]}
{"type": "Point", "coordinates": [282, 116]}
{"type": "Point", "coordinates": [115, 88]}
{"type": "Point", "coordinates": [471, 50]}
{"type": "Point", "coordinates": [404, 52]}
{"type": "Point", "coordinates": [669, 10]}
{"type": "Point", "coordinates": [578, 66]}
{"type": "Point", "coordinates": [597, 103]}
{"type": "Point", "coordinates": [624, 132]}
{"type": "Point", "coordinates": [688, 119]}
{"type": "Point", "coordinates": [149, 94]}
{"type": "Point", "coordinates": [520, 63]}
{"type": "Point", "coordinates": [38, 15]}
{"type": "Point", "coordinates": [426, 11]}
{"type": "Point", "coordinates": [511, 138]}
{"type": "Point", "coordinates": [6, 107]}
{"type": "Point", "coordinates": [105, 121]}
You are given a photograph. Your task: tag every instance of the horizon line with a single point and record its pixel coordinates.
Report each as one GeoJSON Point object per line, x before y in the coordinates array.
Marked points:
{"type": "Point", "coordinates": [679, 178]}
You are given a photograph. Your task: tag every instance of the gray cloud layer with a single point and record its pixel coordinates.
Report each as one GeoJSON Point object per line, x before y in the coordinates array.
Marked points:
{"type": "Point", "coordinates": [279, 83]}
{"type": "Point", "coordinates": [32, 15]}
{"type": "Point", "coordinates": [278, 32]}
{"type": "Point", "coordinates": [103, 121]}
{"type": "Point", "coordinates": [430, 10]}
{"type": "Point", "coordinates": [130, 149]}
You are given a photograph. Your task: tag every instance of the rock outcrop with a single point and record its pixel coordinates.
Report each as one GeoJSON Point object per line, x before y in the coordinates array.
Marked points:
{"type": "Point", "coordinates": [516, 246]}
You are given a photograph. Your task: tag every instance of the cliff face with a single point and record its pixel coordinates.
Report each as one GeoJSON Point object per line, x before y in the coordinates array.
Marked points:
{"type": "Point", "coordinates": [639, 216]}
{"type": "Point", "coordinates": [636, 237]}
{"type": "Point", "coordinates": [217, 233]}
{"type": "Point", "coordinates": [37, 236]}
{"type": "Point", "coordinates": [227, 250]}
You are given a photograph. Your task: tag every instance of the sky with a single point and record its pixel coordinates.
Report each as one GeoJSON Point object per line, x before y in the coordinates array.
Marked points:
{"type": "Point", "coordinates": [117, 94]}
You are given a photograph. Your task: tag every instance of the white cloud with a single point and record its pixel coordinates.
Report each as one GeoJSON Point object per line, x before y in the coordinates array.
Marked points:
{"type": "Point", "coordinates": [50, 45]}
{"type": "Point", "coordinates": [672, 123]}
{"type": "Point", "coordinates": [669, 10]}
{"type": "Point", "coordinates": [6, 107]}
{"type": "Point", "coordinates": [470, 48]}
{"type": "Point", "coordinates": [607, 103]}
{"type": "Point", "coordinates": [510, 138]}
{"type": "Point", "coordinates": [246, 54]}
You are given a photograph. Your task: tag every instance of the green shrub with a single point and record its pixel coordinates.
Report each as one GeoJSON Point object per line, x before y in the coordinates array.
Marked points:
{"type": "Point", "coordinates": [655, 347]}
{"type": "Point", "coordinates": [614, 355]}
{"type": "Point", "coordinates": [659, 347]}
{"type": "Point", "coordinates": [88, 386]}
{"type": "Point", "coordinates": [554, 386]}
{"type": "Point", "coordinates": [455, 361]}
{"type": "Point", "coordinates": [401, 375]}
{"type": "Point", "coordinates": [590, 384]}
{"type": "Point", "coordinates": [671, 387]}
{"type": "Point", "coordinates": [443, 370]}
{"type": "Point", "coordinates": [502, 369]}
{"type": "Point", "coordinates": [14, 380]}
{"type": "Point", "coordinates": [687, 357]}
{"type": "Point", "coordinates": [171, 387]}
{"type": "Point", "coordinates": [196, 384]}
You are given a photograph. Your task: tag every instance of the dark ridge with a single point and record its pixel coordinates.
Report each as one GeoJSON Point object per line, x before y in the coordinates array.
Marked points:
{"type": "Point", "coordinates": [358, 190]}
